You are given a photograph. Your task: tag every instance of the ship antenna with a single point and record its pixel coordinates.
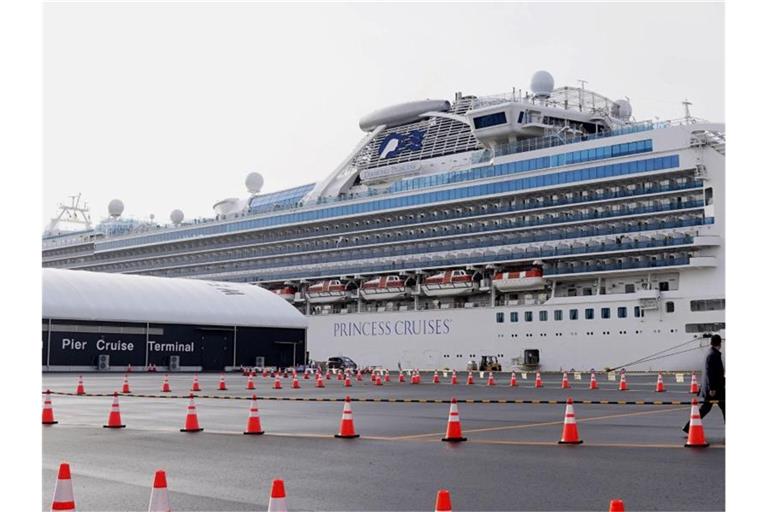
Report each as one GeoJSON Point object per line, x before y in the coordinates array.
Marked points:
{"type": "Point", "coordinates": [687, 106]}
{"type": "Point", "coordinates": [581, 94]}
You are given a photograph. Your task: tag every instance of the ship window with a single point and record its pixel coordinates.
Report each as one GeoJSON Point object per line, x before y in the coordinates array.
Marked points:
{"type": "Point", "coordinates": [490, 120]}
{"type": "Point", "coordinates": [708, 305]}
{"type": "Point", "coordinates": [629, 288]}
{"type": "Point", "coordinates": [664, 286]}
{"type": "Point", "coordinates": [589, 314]}
{"type": "Point", "coordinates": [542, 316]}
{"type": "Point", "coordinates": [621, 312]}
{"type": "Point", "coordinates": [573, 314]}
{"type": "Point", "coordinates": [713, 327]}
{"type": "Point", "coordinates": [513, 316]}
{"type": "Point", "coordinates": [558, 315]}
{"type": "Point", "coordinates": [529, 316]}
{"type": "Point", "coordinates": [499, 318]}
{"type": "Point", "coordinates": [670, 307]}
{"type": "Point", "coordinates": [605, 313]}
{"type": "Point", "coordinates": [637, 312]}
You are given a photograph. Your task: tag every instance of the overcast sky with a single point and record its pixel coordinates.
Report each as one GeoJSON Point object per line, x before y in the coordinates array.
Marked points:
{"type": "Point", "coordinates": [170, 106]}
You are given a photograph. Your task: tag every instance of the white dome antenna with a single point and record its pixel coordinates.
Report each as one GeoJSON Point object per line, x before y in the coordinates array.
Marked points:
{"type": "Point", "coordinates": [622, 109]}
{"type": "Point", "coordinates": [542, 84]}
{"type": "Point", "coordinates": [253, 182]}
{"type": "Point", "coordinates": [115, 208]}
{"type": "Point", "coordinates": [177, 216]}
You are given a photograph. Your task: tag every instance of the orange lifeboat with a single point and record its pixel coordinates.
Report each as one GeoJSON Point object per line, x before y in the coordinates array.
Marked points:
{"type": "Point", "coordinates": [330, 290]}
{"type": "Point", "coordinates": [383, 288]}
{"type": "Point", "coordinates": [449, 282]}
{"type": "Point", "coordinates": [530, 279]}
{"type": "Point", "coordinates": [286, 292]}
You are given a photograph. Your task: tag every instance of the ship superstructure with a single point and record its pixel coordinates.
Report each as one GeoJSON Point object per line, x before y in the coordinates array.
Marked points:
{"type": "Point", "coordinates": [549, 229]}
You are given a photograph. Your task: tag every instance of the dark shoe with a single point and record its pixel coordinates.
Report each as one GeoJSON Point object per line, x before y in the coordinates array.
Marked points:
{"type": "Point", "coordinates": [685, 429]}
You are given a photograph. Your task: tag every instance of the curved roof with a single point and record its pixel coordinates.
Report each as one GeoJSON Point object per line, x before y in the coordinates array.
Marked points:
{"type": "Point", "coordinates": [82, 295]}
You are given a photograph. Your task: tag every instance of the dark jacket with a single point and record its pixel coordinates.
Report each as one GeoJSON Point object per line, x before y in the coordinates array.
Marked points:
{"type": "Point", "coordinates": [714, 376]}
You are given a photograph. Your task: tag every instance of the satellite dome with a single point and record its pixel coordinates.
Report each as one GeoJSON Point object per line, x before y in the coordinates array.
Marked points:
{"type": "Point", "coordinates": [623, 110]}
{"type": "Point", "coordinates": [115, 208]}
{"type": "Point", "coordinates": [177, 216]}
{"type": "Point", "coordinates": [253, 182]}
{"type": "Point", "coordinates": [542, 84]}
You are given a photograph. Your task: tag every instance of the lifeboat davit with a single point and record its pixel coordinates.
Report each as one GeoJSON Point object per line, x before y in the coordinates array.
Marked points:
{"type": "Point", "coordinates": [450, 282]}
{"type": "Point", "coordinates": [286, 292]}
{"type": "Point", "coordinates": [531, 279]}
{"type": "Point", "coordinates": [383, 288]}
{"type": "Point", "coordinates": [330, 290]}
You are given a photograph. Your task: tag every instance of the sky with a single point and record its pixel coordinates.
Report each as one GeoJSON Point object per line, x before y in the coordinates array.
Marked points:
{"type": "Point", "coordinates": [169, 106]}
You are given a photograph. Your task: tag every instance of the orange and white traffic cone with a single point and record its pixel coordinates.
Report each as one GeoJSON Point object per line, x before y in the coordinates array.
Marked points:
{"type": "Point", "coordinates": [63, 497]}
{"type": "Point", "coordinates": [250, 384]}
{"type": "Point", "coordinates": [593, 382]}
{"type": "Point", "coordinates": [359, 376]}
{"type": "Point", "coordinates": [565, 384]}
{"type": "Point", "coordinates": [538, 383]}
{"type": "Point", "coordinates": [616, 506]}
{"type": "Point", "coordinates": [277, 497]}
{"type": "Point", "coordinates": [114, 421]}
{"type": "Point", "coordinates": [191, 425]}
{"type": "Point", "coordinates": [126, 386]}
{"type": "Point", "coordinates": [454, 380]}
{"type": "Point", "coordinates": [347, 382]}
{"type": "Point", "coordinates": [453, 430]}
{"type": "Point", "coordinates": [319, 382]}
{"type": "Point", "coordinates": [306, 374]}
{"type": "Point", "coordinates": [386, 376]}
{"type": "Point", "coordinates": [254, 422]}
{"type": "Point", "coordinates": [623, 383]}
{"type": "Point", "coordinates": [130, 368]}
{"type": "Point", "coordinates": [222, 383]}
{"type": "Point", "coordinates": [277, 384]}
{"type": "Point", "coordinates": [158, 499]}
{"type": "Point", "coordinates": [696, 428]}
{"type": "Point", "coordinates": [328, 375]}
{"type": "Point", "coordinates": [195, 384]}
{"type": "Point", "coordinates": [264, 373]}
{"type": "Point", "coordinates": [401, 378]}
{"type": "Point", "coordinates": [491, 380]}
{"type": "Point", "coordinates": [166, 385]}
{"type": "Point", "coordinates": [295, 383]}
{"type": "Point", "coordinates": [80, 390]}
{"type": "Point", "coordinates": [414, 378]}
{"type": "Point", "coordinates": [470, 378]}
{"type": "Point", "coordinates": [435, 378]}
{"type": "Point", "coordinates": [443, 501]}
{"type": "Point", "coordinates": [660, 384]}
{"type": "Point", "coordinates": [694, 385]}
{"type": "Point", "coordinates": [378, 381]}
{"type": "Point", "coordinates": [418, 376]}
{"type": "Point", "coordinates": [570, 430]}
{"type": "Point", "coordinates": [48, 409]}
{"type": "Point", "coordinates": [347, 426]}
{"type": "Point", "coordinates": [513, 380]}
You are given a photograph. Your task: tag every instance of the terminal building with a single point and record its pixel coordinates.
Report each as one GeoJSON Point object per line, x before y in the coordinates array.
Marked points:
{"type": "Point", "coordinates": [103, 321]}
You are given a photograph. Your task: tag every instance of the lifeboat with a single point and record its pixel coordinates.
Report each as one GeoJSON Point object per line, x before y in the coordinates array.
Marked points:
{"type": "Point", "coordinates": [383, 288]}
{"type": "Point", "coordinates": [531, 279]}
{"type": "Point", "coordinates": [286, 292]}
{"type": "Point", "coordinates": [449, 282]}
{"type": "Point", "coordinates": [330, 290]}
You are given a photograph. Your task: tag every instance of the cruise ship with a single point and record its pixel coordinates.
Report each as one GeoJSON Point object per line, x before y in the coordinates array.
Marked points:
{"type": "Point", "coordinates": [544, 229]}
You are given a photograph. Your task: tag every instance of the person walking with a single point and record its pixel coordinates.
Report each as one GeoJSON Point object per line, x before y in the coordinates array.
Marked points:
{"type": "Point", "coordinates": [713, 387]}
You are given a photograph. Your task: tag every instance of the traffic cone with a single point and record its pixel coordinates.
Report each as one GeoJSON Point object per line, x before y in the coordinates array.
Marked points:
{"type": "Point", "coordinates": [414, 378]}
{"type": "Point", "coordinates": [306, 374]}
{"type": "Point", "coordinates": [328, 375]}
{"type": "Point", "coordinates": [435, 378]}
{"type": "Point", "coordinates": [277, 497]}
{"type": "Point", "coordinates": [660, 384]}
{"type": "Point", "coordinates": [264, 373]}
{"type": "Point", "coordinates": [616, 506]}
{"type": "Point", "coordinates": [319, 383]}
{"type": "Point", "coordinates": [401, 378]}
{"type": "Point", "coordinates": [470, 379]}
{"type": "Point", "coordinates": [443, 501]}
{"type": "Point", "coordinates": [359, 376]}
{"type": "Point", "coordinates": [347, 426]}
{"type": "Point", "coordinates": [347, 382]}
{"type": "Point", "coordinates": [114, 421]}
{"type": "Point", "coordinates": [454, 380]}
{"type": "Point", "coordinates": [191, 424]}
{"type": "Point", "coordinates": [254, 423]}
{"type": "Point", "coordinates": [491, 380]}
{"type": "Point", "coordinates": [250, 384]}
{"type": "Point", "coordinates": [80, 390]}
{"type": "Point", "coordinates": [166, 386]}
{"type": "Point", "coordinates": [63, 497]}
{"type": "Point", "coordinates": [130, 368]}
{"type": "Point", "coordinates": [623, 383]}
{"type": "Point", "coordinates": [48, 409]}
{"type": "Point", "coordinates": [570, 431]}
{"type": "Point", "coordinates": [295, 383]}
{"type": "Point", "coordinates": [513, 380]}
{"type": "Point", "coordinates": [593, 382]}
{"type": "Point", "coordinates": [277, 384]}
{"type": "Point", "coordinates": [538, 383]}
{"type": "Point", "coordinates": [158, 499]}
{"type": "Point", "coordinates": [195, 384]}
{"type": "Point", "coordinates": [126, 386]}
{"type": "Point", "coordinates": [694, 385]}
{"type": "Point", "coordinates": [418, 376]}
{"type": "Point", "coordinates": [378, 380]}
{"type": "Point", "coordinates": [453, 430]}
{"type": "Point", "coordinates": [565, 384]}
{"type": "Point", "coordinates": [222, 383]}
{"type": "Point", "coordinates": [696, 428]}
{"type": "Point", "coordinates": [386, 376]}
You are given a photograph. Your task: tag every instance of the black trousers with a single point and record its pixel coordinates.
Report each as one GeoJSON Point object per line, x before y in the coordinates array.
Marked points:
{"type": "Point", "coordinates": [707, 406]}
